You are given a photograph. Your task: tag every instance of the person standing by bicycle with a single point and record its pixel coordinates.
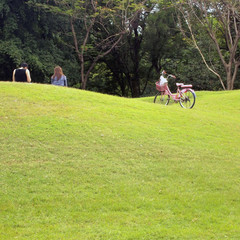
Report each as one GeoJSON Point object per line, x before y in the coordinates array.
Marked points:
{"type": "Point", "coordinates": [163, 82]}
{"type": "Point", "coordinates": [163, 79]}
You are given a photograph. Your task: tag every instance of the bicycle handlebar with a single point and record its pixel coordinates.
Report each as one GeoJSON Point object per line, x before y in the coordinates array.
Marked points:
{"type": "Point", "coordinates": [172, 76]}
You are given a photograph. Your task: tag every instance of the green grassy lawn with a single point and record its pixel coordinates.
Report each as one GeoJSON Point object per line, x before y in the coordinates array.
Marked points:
{"type": "Point", "coordinates": [80, 165]}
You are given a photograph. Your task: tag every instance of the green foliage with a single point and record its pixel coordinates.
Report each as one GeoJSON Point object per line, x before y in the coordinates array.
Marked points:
{"type": "Point", "coordinates": [217, 21]}
{"type": "Point", "coordinates": [101, 80]}
{"type": "Point", "coordinates": [39, 33]}
{"type": "Point", "coordinates": [32, 36]}
{"type": "Point", "coordinates": [80, 165]}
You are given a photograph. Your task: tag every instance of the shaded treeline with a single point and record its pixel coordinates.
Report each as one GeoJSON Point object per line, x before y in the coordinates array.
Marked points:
{"type": "Point", "coordinates": [114, 49]}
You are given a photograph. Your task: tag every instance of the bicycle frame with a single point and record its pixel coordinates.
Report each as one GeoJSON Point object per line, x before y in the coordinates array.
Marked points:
{"type": "Point", "coordinates": [177, 96]}
{"type": "Point", "coordinates": [185, 95]}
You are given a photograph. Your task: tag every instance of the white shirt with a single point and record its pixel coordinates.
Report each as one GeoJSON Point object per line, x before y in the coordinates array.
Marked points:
{"type": "Point", "coordinates": [163, 80]}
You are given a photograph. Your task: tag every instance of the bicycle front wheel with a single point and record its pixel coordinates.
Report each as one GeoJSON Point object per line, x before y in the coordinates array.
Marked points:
{"type": "Point", "coordinates": [162, 99]}
{"type": "Point", "coordinates": [187, 99]}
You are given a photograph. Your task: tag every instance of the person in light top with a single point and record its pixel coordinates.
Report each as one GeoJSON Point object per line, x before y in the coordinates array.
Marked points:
{"type": "Point", "coordinates": [58, 78]}
{"type": "Point", "coordinates": [163, 79]}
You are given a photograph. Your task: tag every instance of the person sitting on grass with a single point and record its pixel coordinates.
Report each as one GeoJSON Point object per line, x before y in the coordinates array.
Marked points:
{"type": "Point", "coordinates": [21, 74]}
{"type": "Point", "coordinates": [58, 78]}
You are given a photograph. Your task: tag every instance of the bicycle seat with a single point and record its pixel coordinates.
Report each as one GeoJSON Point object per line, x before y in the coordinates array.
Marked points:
{"type": "Point", "coordinates": [183, 86]}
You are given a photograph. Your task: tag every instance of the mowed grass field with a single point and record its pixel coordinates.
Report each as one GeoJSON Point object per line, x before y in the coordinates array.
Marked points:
{"type": "Point", "coordinates": [81, 165]}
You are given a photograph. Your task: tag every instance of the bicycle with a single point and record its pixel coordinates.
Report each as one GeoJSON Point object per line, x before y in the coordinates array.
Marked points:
{"type": "Point", "coordinates": [185, 94]}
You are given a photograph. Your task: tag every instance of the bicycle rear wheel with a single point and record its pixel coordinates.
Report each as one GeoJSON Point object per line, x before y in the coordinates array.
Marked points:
{"type": "Point", "coordinates": [162, 99]}
{"type": "Point", "coordinates": [187, 99]}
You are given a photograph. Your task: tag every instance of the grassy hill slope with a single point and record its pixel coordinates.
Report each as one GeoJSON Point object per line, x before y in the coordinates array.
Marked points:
{"type": "Point", "coordinates": [80, 165]}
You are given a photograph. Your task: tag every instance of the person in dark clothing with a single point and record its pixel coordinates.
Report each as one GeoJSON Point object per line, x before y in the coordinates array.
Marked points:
{"type": "Point", "coordinates": [21, 74]}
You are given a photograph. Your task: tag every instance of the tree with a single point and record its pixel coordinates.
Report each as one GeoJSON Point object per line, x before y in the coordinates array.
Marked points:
{"type": "Point", "coordinates": [92, 27]}
{"type": "Point", "coordinates": [32, 36]}
{"type": "Point", "coordinates": [220, 20]}
{"type": "Point", "coordinates": [138, 60]}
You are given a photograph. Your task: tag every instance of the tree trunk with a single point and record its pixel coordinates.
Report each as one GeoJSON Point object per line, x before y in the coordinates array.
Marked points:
{"type": "Point", "coordinates": [229, 80]}
{"type": "Point", "coordinates": [135, 88]}
{"type": "Point", "coordinates": [231, 76]}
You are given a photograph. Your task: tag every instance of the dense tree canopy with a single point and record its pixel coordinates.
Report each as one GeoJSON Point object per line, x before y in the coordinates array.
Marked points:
{"type": "Point", "coordinates": [117, 47]}
{"type": "Point", "coordinates": [34, 36]}
{"type": "Point", "coordinates": [220, 21]}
